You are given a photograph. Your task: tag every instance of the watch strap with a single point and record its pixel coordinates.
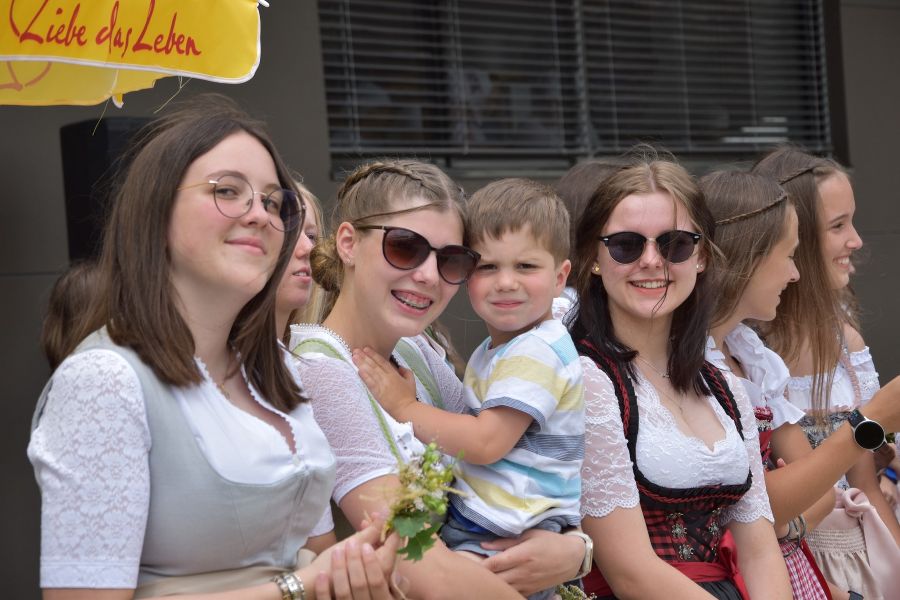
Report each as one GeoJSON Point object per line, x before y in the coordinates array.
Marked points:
{"type": "Point", "coordinates": [588, 562]}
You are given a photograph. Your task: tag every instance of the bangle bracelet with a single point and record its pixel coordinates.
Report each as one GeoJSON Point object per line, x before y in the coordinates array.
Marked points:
{"type": "Point", "coordinates": [588, 562]}
{"type": "Point", "coordinates": [290, 586]}
{"type": "Point", "coordinates": [283, 588]}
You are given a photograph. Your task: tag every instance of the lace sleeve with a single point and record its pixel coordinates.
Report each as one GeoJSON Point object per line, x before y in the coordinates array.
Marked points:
{"type": "Point", "coordinates": [90, 456]}
{"type": "Point", "coordinates": [450, 386]}
{"type": "Point", "coordinates": [342, 409]}
{"type": "Point", "coordinates": [607, 477]}
{"type": "Point", "coordinates": [755, 503]}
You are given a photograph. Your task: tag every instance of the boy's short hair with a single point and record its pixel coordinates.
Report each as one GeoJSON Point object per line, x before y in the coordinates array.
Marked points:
{"type": "Point", "coordinates": [508, 205]}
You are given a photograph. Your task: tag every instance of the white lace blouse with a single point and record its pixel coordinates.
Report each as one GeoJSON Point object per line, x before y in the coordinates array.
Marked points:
{"type": "Point", "coordinates": [665, 455]}
{"type": "Point", "coordinates": [90, 456]}
{"type": "Point", "coordinates": [343, 410]}
{"type": "Point", "coordinates": [767, 375]}
{"type": "Point", "coordinates": [843, 396]}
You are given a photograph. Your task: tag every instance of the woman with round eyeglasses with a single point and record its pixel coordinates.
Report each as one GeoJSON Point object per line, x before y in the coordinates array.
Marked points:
{"type": "Point", "coordinates": [175, 453]}
{"type": "Point", "coordinates": [672, 459]}
{"type": "Point", "coordinates": [395, 260]}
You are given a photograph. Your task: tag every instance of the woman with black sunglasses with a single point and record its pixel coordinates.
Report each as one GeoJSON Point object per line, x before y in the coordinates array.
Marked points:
{"type": "Point", "coordinates": [671, 453]}
{"type": "Point", "coordinates": [395, 260]}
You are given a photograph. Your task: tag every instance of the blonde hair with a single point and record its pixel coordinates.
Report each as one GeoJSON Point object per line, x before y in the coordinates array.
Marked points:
{"type": "Point", "coordinates": [811, 314]}
{"type": "Point", "coordinates": [751, 218]}
{"type": "Point", "coordinates": [314, 310]}
{"type": "Point", "coordinates": [509, 205]}
{"type": "Point", "coordinates": [382, 189]}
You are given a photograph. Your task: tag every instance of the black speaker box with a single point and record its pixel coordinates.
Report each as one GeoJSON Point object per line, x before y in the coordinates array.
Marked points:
{"type": "Point", "coordinates": [90, 160]}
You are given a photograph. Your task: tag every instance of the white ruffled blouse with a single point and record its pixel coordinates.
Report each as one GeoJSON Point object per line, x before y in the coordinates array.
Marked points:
{"type": "Point", "coordinates": [767, 375]}
{"type": "Point", "coordinates": [843, 396]}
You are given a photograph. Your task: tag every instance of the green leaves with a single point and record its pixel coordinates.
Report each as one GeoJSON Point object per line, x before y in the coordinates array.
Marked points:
{"type": "Point", "coordinates": [418, 511]}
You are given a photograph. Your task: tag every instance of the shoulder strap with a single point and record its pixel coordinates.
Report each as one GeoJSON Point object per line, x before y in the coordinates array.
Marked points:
{"type": "Point", "coordinates": [624, 390]}
{"type": "Point", "coordinates": [412, 357]}
{"type": "Point", "coordinates": [715, 379]}
{"type": "Point", "coordinates": [323, 347]}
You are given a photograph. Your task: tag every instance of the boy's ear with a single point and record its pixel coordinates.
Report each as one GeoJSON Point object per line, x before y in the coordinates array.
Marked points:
{"type": "Point", "coordinates": [562, 275]}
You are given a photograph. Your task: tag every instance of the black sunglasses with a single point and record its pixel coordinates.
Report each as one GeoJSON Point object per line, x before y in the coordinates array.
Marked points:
{"type": "Point", "coordinates": [675, 246]}
{"type": "Point", "coordinates": [405, 250]}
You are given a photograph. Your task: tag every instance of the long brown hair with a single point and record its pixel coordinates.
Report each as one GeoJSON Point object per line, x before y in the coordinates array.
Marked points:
{"type": "Point", "coordinates": [690, 321]}
{"type": "Point", "coordinates": [811, 314]}
{"type": "Point", "coordinates": [136, 301]}
{"type": "Point", "coordinates": [751, 218]}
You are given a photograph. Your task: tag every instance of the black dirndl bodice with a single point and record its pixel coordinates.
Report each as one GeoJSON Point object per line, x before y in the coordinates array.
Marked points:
{"type": "Point", "coordinates": [683, 523]}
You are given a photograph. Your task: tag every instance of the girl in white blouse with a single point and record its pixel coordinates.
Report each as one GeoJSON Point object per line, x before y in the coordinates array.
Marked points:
{"type": "Point", "coordinates": [163, 445]}
{"type": "Point", "coordinates": [757, 232]}
{"type": "Point", "coordinates": [816, 332]}
{"type": "Point", "coordinates": [672, 457]}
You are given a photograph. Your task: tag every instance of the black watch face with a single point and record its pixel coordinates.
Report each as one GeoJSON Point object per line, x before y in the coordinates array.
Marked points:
{"type": "Point", "coordinates": [869, 434]}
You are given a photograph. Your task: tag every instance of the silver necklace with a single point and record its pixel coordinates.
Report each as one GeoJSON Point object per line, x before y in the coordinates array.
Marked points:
{"type": "Point", "coordinates": [650, 364]}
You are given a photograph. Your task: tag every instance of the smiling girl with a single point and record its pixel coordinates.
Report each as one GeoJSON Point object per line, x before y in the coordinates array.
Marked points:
{"type": "Point", "coordinates": [672, 458]}
{"type": "Point", "coordinates": [174, 451]}
{"type": "Point", "coordinates": [816, 332]}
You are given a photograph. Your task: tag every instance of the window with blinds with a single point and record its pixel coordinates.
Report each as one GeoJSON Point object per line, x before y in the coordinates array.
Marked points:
{"type": "Point", "coordinates": [555, 80]}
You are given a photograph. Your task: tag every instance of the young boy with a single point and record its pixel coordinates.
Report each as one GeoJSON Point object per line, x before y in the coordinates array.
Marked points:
{"type": "Point", "coordinates": [522, 442]}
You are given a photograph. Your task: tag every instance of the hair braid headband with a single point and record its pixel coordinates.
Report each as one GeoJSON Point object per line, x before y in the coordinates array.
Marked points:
{"type": "Point", "coordinates": [796, 174]}
{"type": "Point", "coordinates": [781, 198]}
{"type": "Point", "coordinates": [378, 168]}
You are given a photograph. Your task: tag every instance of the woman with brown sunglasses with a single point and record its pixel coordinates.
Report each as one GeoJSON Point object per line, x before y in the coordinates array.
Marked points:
{"type": "Point", "coordinates": [395, 260]}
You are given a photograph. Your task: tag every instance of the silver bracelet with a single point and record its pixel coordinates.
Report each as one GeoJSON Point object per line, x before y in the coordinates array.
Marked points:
{"type": "Point", "coordinates": [295, 584]}
{"type": "Point", "coordinates": [291, 586]}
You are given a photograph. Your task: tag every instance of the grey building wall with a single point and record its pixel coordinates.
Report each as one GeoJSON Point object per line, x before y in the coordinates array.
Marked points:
{"type": "Point", "coordinates": [288, 92]}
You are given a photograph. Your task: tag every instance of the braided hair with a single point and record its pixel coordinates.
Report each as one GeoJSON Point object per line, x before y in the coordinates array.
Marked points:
{"type": "Point", "coordinates": [380, 189]}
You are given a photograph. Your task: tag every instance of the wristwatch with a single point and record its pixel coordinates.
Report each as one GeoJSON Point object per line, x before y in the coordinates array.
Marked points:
{"type": "Point", "coordinates": [867, 433]}
{"type": "Point", "coordinates": [588, 563]}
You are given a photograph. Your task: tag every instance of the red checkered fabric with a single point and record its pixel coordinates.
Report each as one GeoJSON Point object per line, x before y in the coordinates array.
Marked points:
{"type": "Point", "coordinates": [807, 582]}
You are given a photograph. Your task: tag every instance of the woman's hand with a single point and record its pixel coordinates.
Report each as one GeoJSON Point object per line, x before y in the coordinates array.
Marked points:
{"type": "Point", "coordinates": [536, 560]}
{"type": "Point", "coordinates": [393, 390]}
{"type": "Point", "coordinates": [358, 568]}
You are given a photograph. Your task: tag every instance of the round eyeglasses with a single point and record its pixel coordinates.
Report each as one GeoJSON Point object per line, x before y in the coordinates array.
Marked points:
{"type": "Point", "coordinates": [233, 196]}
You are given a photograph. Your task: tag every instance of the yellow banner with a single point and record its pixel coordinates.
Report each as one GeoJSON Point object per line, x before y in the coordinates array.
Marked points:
{"type": "Point", "coordinates": [82, 52]}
